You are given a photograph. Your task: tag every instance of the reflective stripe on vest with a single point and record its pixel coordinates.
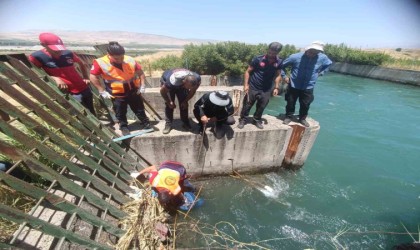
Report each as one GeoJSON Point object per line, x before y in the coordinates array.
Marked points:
{"type": "Point", "coordinates": [115, 79]}
{"type": "Point", "coordinates": [169, 179]}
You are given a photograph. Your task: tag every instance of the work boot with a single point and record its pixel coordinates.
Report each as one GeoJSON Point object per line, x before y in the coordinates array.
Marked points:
{"type": "Point", "coordinates": [124, 130]}
{"type": "Point", "coordinates": [287, 120]}
{"type": "Point", "coordinates": [219, 131]}
{"type": "Point", "coordinates": [304, 122]}
{"type": "Point", "coordinates": [146, 125]}
{"type": "Point", "coordinates": [186, 126]}
{"type": "Point", "coordinates": [258, 124]}
{"type": "Point", "coordinates": [241, 123]}
{"type": "Point", "coordinates": [168, 128]}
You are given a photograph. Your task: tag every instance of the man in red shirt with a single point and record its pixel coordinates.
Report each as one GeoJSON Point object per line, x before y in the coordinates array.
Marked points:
{"type": "Point", "coordinates": [58, 62]}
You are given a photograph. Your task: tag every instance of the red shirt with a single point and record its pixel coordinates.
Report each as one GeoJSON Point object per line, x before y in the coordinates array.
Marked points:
{"type": "Point", "coordinates": [62, 67]}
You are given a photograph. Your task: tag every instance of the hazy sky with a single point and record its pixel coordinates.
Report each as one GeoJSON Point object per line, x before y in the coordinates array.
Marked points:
{"type": "Point", "coordinates": [357, 23]}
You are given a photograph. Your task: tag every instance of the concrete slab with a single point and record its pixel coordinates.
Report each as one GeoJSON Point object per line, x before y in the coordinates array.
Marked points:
{"type": "Point", "coordinates": [245, 150]}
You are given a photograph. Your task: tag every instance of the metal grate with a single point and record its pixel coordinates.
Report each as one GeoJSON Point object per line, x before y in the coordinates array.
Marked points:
{"type": "Point", "coordinates": [84, 174]}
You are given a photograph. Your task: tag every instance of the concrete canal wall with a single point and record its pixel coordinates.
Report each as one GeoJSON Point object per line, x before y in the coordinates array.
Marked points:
{"type": "Point", "coordinates": [394, 75]}
{"type": "Point", "coordinates": [247, 150]}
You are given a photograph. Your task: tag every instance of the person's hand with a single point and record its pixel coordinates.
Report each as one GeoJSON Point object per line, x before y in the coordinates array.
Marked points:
{"type": "Point", "coordinates": [246, 88]}
{"type": "Point", "coordinates": [287, 80]}
{"type": "Point", "coordinates": [171, 105]}
{"type": "Point", "coordinates": [275, 92]}
{"type": "Point", "coordinates": [87, 81]}
{"type": "Point", "coordinates": [141, 90]}
{"type": "Point", "coordinates": [62, 86]}
{"type": "Point", "coordinates": [184, 105]}
{"type": "Point", "coordinates": [105, 94]}
{"type": "Point", "coordinates": [204, 119]}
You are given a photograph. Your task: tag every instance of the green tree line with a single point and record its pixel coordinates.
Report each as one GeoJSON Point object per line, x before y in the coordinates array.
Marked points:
{"type": "Point", "coordinates": [228, 58]}
{"type": "Point", "coordinates": [232, 58]}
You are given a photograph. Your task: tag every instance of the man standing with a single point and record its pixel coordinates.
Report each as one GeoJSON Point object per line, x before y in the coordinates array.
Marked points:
{"type": "Point", "coordinates": [258, 83]}
{"type": "Point", "coordinates": [123, 78]}
{"type": "Point", "coordinates": [183, 84]}
{"type": "Point", "coordinates": [306, 67]}
{"type": "Point", "coordinates": [58, 62]}
{"type": "Point", "coordinates": [216, 107]}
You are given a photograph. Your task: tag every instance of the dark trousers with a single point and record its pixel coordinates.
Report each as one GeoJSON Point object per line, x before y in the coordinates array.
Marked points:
{"type": "Point", "coordinates": [181, 95]}
{"type": "Point", "coordinates": [136, 104]}
{"type": "Point", "coordinates": [87, 100]}
{"type": "Point", "coordinates": [306, 97]}
{"type": "Point", "coordinates": [262, 98]}
{"type": "Point", "coordinates": [228, 120]}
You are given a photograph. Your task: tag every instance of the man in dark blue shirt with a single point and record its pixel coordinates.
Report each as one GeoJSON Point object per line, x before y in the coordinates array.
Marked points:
{"type": "Point", "coordinates": [306, 67]}
{"type": "Point", "coordinates": [258, 83]}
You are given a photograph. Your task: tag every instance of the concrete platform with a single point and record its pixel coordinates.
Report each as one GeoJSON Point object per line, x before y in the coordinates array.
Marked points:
{"type": "Point", "coordinates": [246, 150]}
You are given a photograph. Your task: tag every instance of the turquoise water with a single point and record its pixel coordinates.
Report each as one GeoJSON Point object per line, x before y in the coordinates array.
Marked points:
{"type": "Point", "coordinates": [361, 178]}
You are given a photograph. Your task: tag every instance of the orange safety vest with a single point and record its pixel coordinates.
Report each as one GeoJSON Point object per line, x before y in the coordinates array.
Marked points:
{"type": "Point", "coordinates": [119, 81]}
{"type": "Point", "coordinates": [169, 179]}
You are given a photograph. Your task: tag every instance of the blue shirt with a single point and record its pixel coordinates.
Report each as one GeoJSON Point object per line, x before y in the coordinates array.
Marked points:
{"type": "Point", "coordinates": [305, 70]}
{"type": "Point", "coordinates": [263, 73]}
{"type": "Point", "coordinates": [172, 78]}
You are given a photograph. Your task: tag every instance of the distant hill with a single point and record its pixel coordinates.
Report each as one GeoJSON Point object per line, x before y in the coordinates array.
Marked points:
{"type": "Point", "coordinates": [129, 39]}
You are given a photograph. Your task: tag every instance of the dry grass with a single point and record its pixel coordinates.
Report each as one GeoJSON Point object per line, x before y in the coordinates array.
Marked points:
{"type": "Point", "coordinates": [12, 198]}
{"type": "Point", "coordinates": [147, 60]}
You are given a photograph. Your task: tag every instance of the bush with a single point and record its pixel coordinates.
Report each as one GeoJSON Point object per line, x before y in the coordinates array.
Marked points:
{"type": "Point", "coordinates": [342, 53]}
{"type": "Point", "coordinates": [398, 49]}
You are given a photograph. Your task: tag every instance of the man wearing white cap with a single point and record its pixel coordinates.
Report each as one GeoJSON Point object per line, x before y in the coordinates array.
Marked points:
{"type": "Point", "coordinates": [305, 68]}
{"type": "Point", "coordinates": [216, 107]}
{"type": "Point", "coordinates": [58, 62]}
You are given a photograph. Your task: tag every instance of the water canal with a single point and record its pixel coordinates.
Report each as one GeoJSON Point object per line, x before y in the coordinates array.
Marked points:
{"type": "Point", "coordinates": [361, 178]}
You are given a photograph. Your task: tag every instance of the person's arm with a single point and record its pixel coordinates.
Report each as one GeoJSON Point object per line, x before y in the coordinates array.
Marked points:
{"type": "Point", "coordinates": [85, 73]}
{"type": "Point", "coordinates": [200, 106]}
{"type": "Point", "coordinates": [229, 108]}
{"type": "Point", "coordinates": [246, 78]}
{"type": "Point", "coordinates": [60, 83]}
{"type": "Point", "coordinates": [277, 81]}
{"type": "Point", "coordinates": [325, 66]}
{"type": "Point", "coordinates": [191, 93]}
{"type": "Point", "coordinates": [142, 78]}
{"type": "Point", "coordinates": [148, 169]}
{"type": "Point", "coordinates": [286, 63]}
{"type": "Point", "coordinates": [164, 92]}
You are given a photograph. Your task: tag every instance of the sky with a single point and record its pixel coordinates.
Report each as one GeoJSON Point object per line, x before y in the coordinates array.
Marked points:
{"type": "Point", "coordinates": [357, 23]}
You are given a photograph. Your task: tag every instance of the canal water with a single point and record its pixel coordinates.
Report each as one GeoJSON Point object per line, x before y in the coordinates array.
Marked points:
{"type": "Point", "coordinates": [359, 188]}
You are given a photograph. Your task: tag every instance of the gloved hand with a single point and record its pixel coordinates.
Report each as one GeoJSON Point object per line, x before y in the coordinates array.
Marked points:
{"type": "Point", "coordinates": [105, 94]}
{"type": "Point", "coordinates": [141, 90]}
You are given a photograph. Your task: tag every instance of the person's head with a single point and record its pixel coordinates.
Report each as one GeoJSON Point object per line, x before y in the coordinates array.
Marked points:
{"type": "Point", "coordinates": [169, 201]}
{"type": "Point", "coordinates": [116, 52]}
{"type": "Point", "coordinates": [190, 81]}
{"type": "Point", "coordinates": [274, 49]}
{"type": "Point", "coordinates": [52, 43]}
{"type": "Point", "coordinates": [220, 98]}
{"type": "Point", "coordinates": [314, 49]}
